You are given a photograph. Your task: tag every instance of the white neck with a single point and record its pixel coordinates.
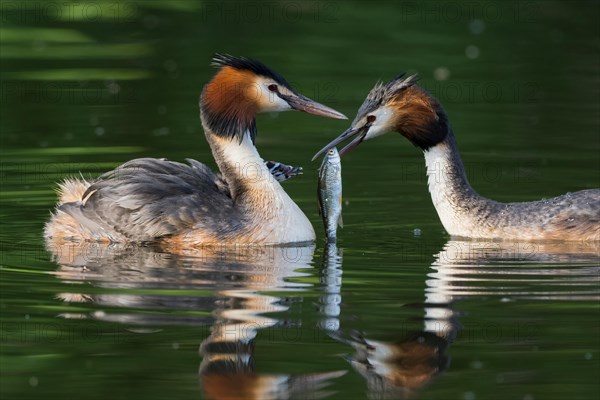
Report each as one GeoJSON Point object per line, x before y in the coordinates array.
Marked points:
{"type": "Point", "coordinates": [274, 215]}
{"type": "Point", "coordinates": [240, 163]}
{"type": "Point", "coordinates": [450, 191]}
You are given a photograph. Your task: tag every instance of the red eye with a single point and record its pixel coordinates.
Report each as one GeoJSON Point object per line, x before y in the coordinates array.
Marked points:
{"type": "Point", "coordinates": [272, 88]}
{"type": "Point", "coordinates": [371, 119]}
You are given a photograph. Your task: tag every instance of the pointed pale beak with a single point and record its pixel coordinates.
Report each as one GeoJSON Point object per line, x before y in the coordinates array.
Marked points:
{"type": "Point", "coordinates": [360, 132]}
{"type": "Point", "coordinates": [301, 103]}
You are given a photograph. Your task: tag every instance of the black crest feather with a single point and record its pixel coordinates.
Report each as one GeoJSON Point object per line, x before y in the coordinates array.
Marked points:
{"type": "Point", "coordinates": [226, 60]}
{"type": "Point", "coordinates": [382, 93]}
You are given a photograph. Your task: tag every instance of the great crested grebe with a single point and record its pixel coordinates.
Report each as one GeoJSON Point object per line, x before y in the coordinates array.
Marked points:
{"type": "Point", "coordinates": [151, 199]}
{"type": "Point", "coordinates": [404, 107]}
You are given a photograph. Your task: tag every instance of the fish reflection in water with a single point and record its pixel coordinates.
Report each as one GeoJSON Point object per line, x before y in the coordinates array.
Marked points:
{"type": "Point", "coordinates": [234, 277]}
{"type": "Point", "coordinates": [331, 284]}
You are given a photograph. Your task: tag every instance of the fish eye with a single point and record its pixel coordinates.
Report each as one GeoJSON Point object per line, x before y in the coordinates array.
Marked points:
{"type": "Point", "coordinates": [371, 119]}
{"type": "Point", "coordinates": [272, 87]}
{"type": "Point", "coordinates": [330, 152]}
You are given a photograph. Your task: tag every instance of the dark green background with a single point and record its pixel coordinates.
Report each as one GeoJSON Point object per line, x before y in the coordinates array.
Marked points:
{"type": "Point", "coordinates": [88, 85]}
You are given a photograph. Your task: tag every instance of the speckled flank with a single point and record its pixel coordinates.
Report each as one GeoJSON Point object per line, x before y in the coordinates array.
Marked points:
{"type": "Point", "coordinates": [463, 212]}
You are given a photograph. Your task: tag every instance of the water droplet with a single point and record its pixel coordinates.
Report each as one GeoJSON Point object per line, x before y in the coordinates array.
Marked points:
{"type": "Point", "coordinates": [588, 356]}
{"type": "Point", "coordinates": [469, 396]}
{"type": "Point", "coordinates": [476, 364]}
{"type": "Point", "coordinates": [99, 131]}
{"type": "Point", "coordinates": [26, 316]}
{"type": "Point", "coordinates": [476, 26]}
{"type": "Point", "coordinates": [113, 88]}
{"type": "Point", "coordinates": [33, 381]}
{"type": "Point", "coordinates": [175, 346]}
{"type": "Point", "coordinates": [164, 131]}
{"type": "Point", "coordinates": [472, 52]}
{"type": "Point", "coordinates": [417, 232]}
{"type": "Point", "coordinates": [441, 73]}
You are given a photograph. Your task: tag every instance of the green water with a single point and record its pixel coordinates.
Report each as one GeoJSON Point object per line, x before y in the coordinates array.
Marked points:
{"type": "Point", "coordinates": [388, 314]}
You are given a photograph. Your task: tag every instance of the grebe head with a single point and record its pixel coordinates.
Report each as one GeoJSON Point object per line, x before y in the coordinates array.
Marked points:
{"type": "Point", "coordinates": [398, 106]}
{"type": "Point", "coordinates": [242, 88]}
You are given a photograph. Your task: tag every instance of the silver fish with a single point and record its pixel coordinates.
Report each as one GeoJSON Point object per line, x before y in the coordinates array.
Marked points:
{"type": "Point", "coordinates": [330, 193]}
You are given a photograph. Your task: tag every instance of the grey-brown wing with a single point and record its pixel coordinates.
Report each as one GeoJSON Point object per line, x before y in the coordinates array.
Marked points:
{"type": "Point", "coordinates": [148, 198]}
{"type": "Point", "coordinates": [576, 212]}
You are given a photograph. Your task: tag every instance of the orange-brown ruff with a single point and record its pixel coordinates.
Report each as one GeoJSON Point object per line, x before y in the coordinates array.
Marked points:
{"type": "Point", "coordinates": [179, 205]}
{"type": "Point", "coordinates": [404, 107]}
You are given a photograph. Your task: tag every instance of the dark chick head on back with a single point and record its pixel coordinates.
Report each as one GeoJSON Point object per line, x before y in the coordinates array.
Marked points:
{"type": "Point", "coordinates": [242, 88]}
